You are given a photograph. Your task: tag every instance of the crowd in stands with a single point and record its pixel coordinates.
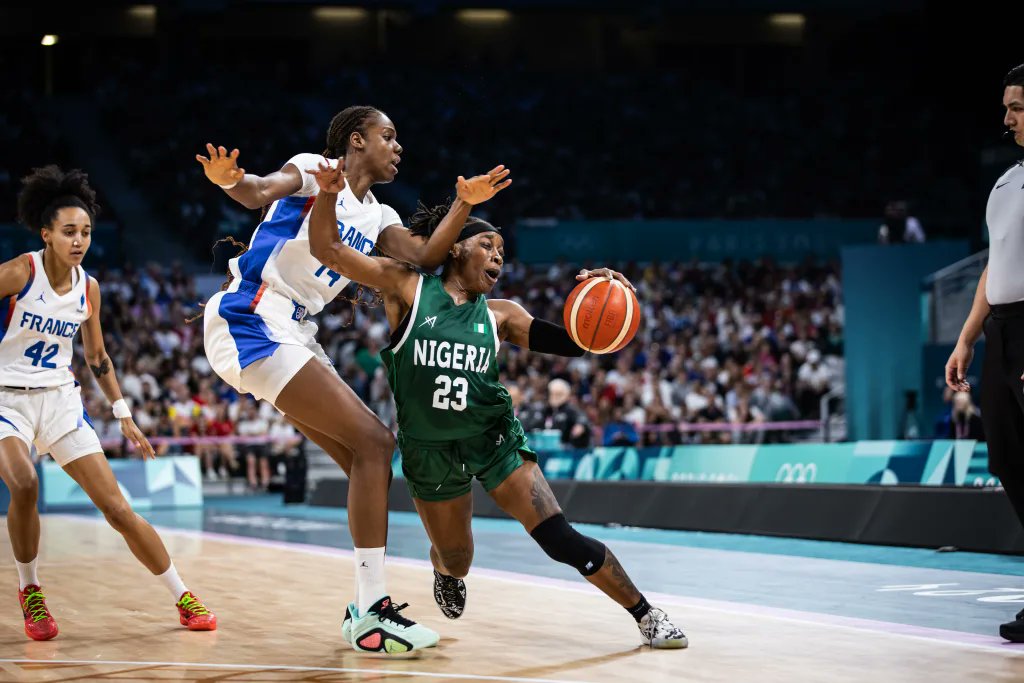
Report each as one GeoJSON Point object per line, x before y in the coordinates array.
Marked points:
{"type": "Point", "coordinates": [738, 343]}
{"type": "Point", "coordinates": [734, 342]}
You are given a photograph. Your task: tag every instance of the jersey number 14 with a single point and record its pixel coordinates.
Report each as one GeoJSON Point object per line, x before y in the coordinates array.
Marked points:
{"type": "Point", "coordinates": [334, 277]}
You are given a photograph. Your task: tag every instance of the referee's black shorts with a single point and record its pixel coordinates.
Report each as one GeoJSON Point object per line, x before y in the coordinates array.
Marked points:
{"type": "Point", "coordinates": [1002, 391]}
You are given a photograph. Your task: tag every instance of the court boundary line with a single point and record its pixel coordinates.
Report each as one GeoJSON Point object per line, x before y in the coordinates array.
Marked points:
{"type": "Point", "coordinates": [927, 633]}
{"type": "Point", "coordinates": [287, 667]}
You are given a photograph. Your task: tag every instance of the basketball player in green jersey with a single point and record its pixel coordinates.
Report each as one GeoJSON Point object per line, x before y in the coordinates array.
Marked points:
{"type": "Point", "coordinates": [455, 419]}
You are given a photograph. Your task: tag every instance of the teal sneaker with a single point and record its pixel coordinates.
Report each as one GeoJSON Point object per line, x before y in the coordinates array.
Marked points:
{"type": "Point", "coordinates": [346, 623]}
{"type": "Point", "coordinates": [383, 629]}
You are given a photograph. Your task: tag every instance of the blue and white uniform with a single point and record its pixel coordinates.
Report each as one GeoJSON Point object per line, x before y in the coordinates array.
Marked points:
{"type": "Point", "coordinates": [256, 333]}
{"type": "Point", "coordinates": [40, 401]}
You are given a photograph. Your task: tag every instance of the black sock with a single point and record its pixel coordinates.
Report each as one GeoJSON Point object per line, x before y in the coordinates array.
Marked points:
{"type": "Point", "coordinates": [640, 609]}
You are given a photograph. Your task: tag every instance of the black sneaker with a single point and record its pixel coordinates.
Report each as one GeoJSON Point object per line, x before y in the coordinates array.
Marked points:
{"type": "Point", "coordinates": [450, 595]}
{"type": "Point", "coordinates": [1012, 631]}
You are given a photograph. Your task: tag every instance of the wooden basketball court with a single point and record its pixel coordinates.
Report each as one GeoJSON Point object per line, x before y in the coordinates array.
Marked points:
{"type": "Point", "coordinates": [279, 608]}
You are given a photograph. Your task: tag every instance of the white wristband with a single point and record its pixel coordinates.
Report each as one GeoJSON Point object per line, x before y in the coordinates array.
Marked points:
{"type": "Point", "coordinates": [227, 187]}
{"type": "Point", "coordinates": [121, 410]}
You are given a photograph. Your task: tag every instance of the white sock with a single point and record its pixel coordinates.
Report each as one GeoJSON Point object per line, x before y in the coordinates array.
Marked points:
{"type": "Point", "coordinates": [173, 582]}
{"type": "Point", "coordinates": [27, 573]}
{"type": "Point", "coordinates": [370, 585]}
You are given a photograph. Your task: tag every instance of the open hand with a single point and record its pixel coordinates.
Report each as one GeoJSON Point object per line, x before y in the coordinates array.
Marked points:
{"type": "Point", "coordinates": [480, 188]}
{"type": "Point", "coordinates": [221, 168]}
{"type": "Point", "coordinates": [330, 178]}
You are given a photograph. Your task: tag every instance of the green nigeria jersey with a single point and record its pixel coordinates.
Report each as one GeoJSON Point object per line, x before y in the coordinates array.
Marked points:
{"type": "Point", "coordinates": [443, 368]}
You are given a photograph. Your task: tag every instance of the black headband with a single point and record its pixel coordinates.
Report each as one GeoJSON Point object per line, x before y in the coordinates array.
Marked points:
{"type": "Point", "coordinates": [475, 228]}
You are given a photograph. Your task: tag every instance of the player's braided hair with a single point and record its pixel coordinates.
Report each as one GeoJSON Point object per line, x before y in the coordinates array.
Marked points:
{"type": "Point", "coordinates": [424, 222]}
{"type": "Point", "coordinates": [47, 190]}
{"type": "Point", "coordinates": [347, 121]}
{"type": "Point", "coordinates": [242, 248]}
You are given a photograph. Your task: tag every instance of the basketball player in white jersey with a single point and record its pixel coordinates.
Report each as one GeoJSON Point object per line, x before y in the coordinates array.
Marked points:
{"type": "Point", "coordinates": [45, 299]}
{"type": "Point", "coordinates": [258, 339]}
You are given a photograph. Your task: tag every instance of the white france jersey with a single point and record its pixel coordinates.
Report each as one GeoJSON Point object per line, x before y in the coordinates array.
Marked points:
{"type": "Point", "coordinates": [279, 249]}
{"type": "Point", "coordinates": [37, 328]}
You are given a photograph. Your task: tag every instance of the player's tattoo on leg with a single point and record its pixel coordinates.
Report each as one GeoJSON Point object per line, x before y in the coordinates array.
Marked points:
{"type": "Point", "coordinates": [543, 499]}
{"type": "Point", "coordinates": [617, 572]}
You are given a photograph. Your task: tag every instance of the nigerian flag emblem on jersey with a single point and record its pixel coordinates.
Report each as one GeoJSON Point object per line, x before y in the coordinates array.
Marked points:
{"type": "Point", "coordinates": [479, 328]}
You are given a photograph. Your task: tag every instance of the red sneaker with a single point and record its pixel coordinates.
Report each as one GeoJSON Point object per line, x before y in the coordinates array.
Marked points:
{"type": "Point", "coordinates": [194, 614]}
{"type": "Point", "coordinates": [39, 623]}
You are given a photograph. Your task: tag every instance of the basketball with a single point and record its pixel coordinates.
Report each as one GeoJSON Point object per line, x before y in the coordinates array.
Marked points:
{"type": "Point", "coordinates": [602, 315]}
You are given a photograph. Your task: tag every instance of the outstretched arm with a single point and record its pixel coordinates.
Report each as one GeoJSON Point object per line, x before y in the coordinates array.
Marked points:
{"type": "Point", "coordinates": [397, 242]}
{"type": "Point", "coordinates": [518, 327]}
{"type": "Point", "coordinates": [249, 190]}
{"type": "Point", "coordinates": [385, 274]}
{"type": "Point", "coordinates": [99, 362]}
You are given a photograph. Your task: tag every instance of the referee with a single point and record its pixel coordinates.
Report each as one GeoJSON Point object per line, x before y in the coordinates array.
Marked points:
{"type": "Point", "coordinates": [998, 309]}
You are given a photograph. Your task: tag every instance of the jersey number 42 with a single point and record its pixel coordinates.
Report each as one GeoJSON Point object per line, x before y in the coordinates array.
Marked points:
{"type": "Point", "coordinates": [36, 351]}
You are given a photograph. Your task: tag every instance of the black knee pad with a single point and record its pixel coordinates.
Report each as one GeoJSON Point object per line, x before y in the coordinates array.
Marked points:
{"type": "Point", "coordinates": [564, 544]}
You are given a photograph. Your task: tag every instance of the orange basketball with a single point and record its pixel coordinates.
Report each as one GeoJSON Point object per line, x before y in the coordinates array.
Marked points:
{"type": "Point", "coordinates": [602, 315]}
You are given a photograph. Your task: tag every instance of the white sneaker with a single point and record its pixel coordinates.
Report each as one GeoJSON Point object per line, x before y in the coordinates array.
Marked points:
{"type": "Point", "coordinates": [660, 633]}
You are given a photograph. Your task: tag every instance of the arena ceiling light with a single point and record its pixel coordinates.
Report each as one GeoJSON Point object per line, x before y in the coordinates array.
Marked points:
{"type": "Point", "coordinates": [483, 16]}
{"type": "Point", "coordinates": [147, 12]}
{"type": "Point", "coordinates": [339, 13]}
{"type": "Point", "coordinates": [786, 20]}
{"type": "Point", "coordinates": [49, 40]}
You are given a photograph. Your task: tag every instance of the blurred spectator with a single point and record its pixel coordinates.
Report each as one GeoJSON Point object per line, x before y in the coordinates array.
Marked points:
{"type": "Point", "coordinates": [964, 420]}
{"type": "Point", "coordinates": [218, 458]}
{"type": "Point", "coordinates": [743, 412]}
{"type": "Point", "coordinates": [813, 380]}
{"type": "Point", "coordinates": [530, 414]}
{"type": "Point", "coordinates": [560, 414]}
{"type": "Point", "coordinates": [257, 455]}
{"type": "Point", "coordinates": [899, 227]}
{"type": "Point", "coordinates": [284, 436]}
{"type": "Point", "coordinates": [618, 431]}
